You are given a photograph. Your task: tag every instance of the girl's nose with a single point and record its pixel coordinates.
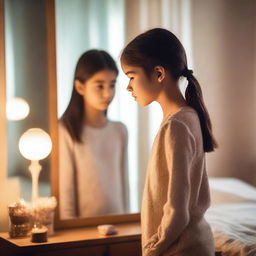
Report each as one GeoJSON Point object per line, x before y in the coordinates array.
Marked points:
{"type": "Point", "coordinates": [129, 88]}
{"type": "Point", "coordinates": [108, 94]}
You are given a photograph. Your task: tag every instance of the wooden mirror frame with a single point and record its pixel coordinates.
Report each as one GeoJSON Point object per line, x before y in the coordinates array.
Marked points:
{"type": "Point", "coordinates": [52, 76]}
{"type": "Point", "coordinates": [3, 144]}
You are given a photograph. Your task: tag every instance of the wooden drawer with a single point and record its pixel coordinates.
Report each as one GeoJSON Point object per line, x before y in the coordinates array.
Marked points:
{"type": "Point", "coordinates": [116, 249]}
{"type": "Point", "coordinates": [81, 251]}
{"type": "Point", "coordinates": [126, 249]}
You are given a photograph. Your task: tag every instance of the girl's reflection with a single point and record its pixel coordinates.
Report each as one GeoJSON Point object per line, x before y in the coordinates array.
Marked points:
{"type": "Point", "coordinates": [93, 150]}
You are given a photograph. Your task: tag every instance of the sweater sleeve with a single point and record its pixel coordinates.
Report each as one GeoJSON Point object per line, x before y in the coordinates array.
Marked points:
{"type": "Point", "coordinates": [66, 174]}
{"type": "Point", "coordinates": [179, 148]}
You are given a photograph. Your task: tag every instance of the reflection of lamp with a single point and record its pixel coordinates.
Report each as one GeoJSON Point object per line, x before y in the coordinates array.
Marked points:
{"type": "Point", "coordinates": [17, 109]}
{"type": "Point", "coordinates": [35, 144]}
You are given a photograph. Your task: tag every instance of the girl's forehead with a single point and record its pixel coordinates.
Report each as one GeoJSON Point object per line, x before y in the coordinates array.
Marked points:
{"type": "Point", "coordinates": [104, 74]}
{"type": "Point", "coordinates": [129, 69]}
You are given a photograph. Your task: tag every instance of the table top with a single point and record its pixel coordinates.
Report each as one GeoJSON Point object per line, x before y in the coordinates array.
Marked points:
{"type": "Point", "coordinates": [86, 236]}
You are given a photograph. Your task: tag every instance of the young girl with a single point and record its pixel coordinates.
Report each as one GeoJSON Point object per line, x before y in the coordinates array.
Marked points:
{"type": "Point", "coordinates": [92, 149]}
{"type": "Point", "coordinates": [176, 192]}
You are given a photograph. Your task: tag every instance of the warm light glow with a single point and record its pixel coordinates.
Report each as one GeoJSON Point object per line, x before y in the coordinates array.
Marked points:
{"type": "Point", "coordinates": [35, 144]}
{"type": "Point", "coordinates": [17, 109]}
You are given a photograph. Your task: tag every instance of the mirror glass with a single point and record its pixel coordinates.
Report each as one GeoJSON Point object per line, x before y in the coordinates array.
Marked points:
{"type": "Point", "coordinates": [26, 78]}
{"type": "Point", "coordinates": [97, 176]}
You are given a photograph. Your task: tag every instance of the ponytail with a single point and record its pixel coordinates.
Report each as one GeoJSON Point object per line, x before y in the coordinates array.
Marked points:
{"type": "Point", "coordinates": [194, 98]}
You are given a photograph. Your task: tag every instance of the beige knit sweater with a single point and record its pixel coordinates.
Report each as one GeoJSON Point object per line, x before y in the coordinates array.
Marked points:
{"type": "Point", "coordinates": [176, 192]}
{"type": "Point", "coordinates": [100, 164]}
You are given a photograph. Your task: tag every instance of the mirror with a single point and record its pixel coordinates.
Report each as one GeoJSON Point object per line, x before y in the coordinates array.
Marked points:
{"type": "Point", "coordinates": [93, 182]}
{"type": "Point", "coordinates": [27, 78]}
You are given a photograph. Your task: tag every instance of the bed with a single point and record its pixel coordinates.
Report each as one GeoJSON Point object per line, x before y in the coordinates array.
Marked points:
{"type": "Point", "coordinates": [232, 216]}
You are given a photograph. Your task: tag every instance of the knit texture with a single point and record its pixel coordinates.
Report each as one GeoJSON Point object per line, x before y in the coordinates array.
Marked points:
{"type": "Point", "coordinates": [176, 193]}
{"type": "Point", "coordinates": [100, 163]}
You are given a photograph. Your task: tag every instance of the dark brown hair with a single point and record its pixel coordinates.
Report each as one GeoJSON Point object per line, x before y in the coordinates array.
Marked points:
{"type": "Point", "coordinates": [161, 47]}
{"type": "Point", "coordinates": [88, 64]}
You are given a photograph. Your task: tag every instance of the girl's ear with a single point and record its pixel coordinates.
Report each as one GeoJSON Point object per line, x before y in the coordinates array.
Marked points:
{"type": "Point", "coordinates": [79, 87]}
{"type": "Point", "coordinates": [160, 73]}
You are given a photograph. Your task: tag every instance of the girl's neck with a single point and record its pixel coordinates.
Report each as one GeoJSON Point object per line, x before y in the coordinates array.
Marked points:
{"type": "Point", "coordinates": [94, 117]}
{"type": "Point", "coordinates": [171, 99]}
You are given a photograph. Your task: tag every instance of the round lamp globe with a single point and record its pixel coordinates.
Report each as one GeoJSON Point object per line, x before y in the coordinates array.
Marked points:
{"type": "Point", "coordinates": [35, 144]}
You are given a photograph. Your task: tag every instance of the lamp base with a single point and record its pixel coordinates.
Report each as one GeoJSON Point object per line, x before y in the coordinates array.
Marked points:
{"type": "Point", "coordinates": [35, 169]}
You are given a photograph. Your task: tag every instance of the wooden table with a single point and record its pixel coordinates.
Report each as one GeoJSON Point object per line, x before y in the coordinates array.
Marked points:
{"type": "Point", "coordinates": [76, 242]}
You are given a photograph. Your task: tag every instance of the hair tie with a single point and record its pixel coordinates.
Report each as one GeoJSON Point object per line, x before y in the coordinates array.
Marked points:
{"type": "Point", "coordinates": [187, 72]}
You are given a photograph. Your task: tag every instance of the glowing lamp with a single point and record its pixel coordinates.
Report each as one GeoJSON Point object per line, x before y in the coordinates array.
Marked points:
{"type": "Point", "coordinates": [17, 109]}
{"type": "Point", "coordinates": [35, 144]}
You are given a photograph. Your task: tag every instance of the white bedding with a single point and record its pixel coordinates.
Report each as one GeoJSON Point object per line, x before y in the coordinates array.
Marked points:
{"type": "Point", "coordinates": [233, 186]}
{"type": "Point", "coordinates": [233, 217]}
{"type": "Point", "coordinates": [234, 228]}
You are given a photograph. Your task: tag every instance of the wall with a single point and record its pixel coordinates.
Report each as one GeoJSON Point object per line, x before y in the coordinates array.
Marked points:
{"type": "Point", "coordinates": [224, 37]}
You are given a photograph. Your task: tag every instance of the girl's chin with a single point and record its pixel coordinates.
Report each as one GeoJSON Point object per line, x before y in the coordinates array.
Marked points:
{"type": "Point", "coordinates": [101, 109]}
{"type": "Point", "coordinates": [143, 104]}
{"type": "Point", "coordinates": [104, 107]}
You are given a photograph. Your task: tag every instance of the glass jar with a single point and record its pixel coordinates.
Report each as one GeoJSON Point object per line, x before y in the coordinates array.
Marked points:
{"type": "Point", "coordinates": [20, 219]}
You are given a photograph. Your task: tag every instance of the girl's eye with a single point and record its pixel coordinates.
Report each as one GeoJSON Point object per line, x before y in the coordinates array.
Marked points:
{"type": "Point", "coordinates": [100, 86]}
{"type": "Point", "coordinates": [113, 86]}
{"type": "Point", "coordinates": [131, 78]}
